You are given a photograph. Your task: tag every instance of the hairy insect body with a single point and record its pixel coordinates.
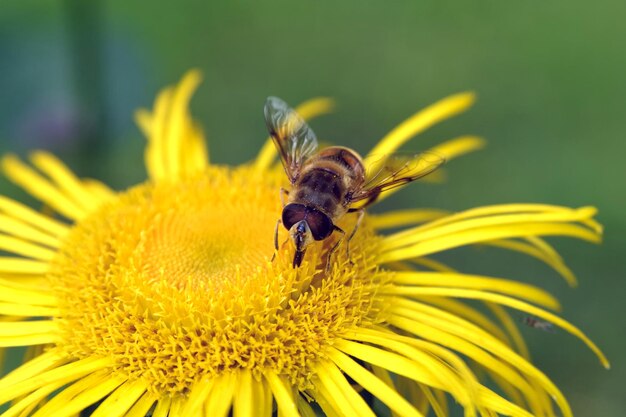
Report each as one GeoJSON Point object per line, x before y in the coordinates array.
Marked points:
{"type": "Point", "coordinates": [327, 180]}
{"type": "Point", "coordinates": [325, 184]}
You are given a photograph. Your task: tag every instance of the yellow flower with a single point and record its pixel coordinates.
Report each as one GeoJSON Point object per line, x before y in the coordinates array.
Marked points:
{"type": "Point", "coordinates": [163, 298]}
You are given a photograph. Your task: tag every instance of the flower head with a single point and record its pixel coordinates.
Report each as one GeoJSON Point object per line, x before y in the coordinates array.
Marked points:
{"type": "Point", "coordinates": [165, 298]}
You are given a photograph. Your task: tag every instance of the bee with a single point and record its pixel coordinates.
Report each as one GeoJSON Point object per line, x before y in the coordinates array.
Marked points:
{"type": "Point", "coordinates": [328, 184]}
{"type": "Point", "coordinates": [538, 324]}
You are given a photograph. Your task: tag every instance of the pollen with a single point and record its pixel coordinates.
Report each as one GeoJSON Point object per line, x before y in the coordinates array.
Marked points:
{"type": "Point", "coordinates": [175, 282]}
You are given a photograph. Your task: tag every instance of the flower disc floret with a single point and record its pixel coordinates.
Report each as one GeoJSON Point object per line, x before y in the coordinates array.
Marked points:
{"type": "Point", "coordinates": [174, 281]}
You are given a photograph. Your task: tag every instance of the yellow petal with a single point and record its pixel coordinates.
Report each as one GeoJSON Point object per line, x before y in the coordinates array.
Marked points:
{"type": "Point", "coordinates": [420, 121]}
{"type": "Point", "coordinates": [23, 328]}
{"type": "Point", "coordinates": [399, 218]}
{"type": "Point", "coordinates": [262, 398]}
{"type": "Point", "coordinates": [22, 230]}
{"type": "Point", "coordinates": [33, 367]}
{"type": "Point", "coordinates": [155, 150]}
{"type": "Point", "coordinates": [41, 188]}
{"type": "Point", "coordinates": [142, 406]}
{"type": "Point", "coordinates": [477, 282]}
{"type": "Point", "coordinates": [348, 401]}
{"type": "Point", "coordinates": [65, 180]}
{"type": "Point", "coordinates": [162, 408]}
{"type": "Point", "coordinates": [468, 237]}
{"type": "Point", "coordinates": [121, 400]}
{"type": "Point", "coordinates": [458, 146]}
{"type": "Point", "coordinates": [221, 397]}
{"type": "Point", "coordinates": [282, 394]}
{"type": "Point", "coordinates": [22, 266]}
{"type": "Point", "coordinates": [539, 249]}
{"type": "Point", "coordinates": [14, 292]}
{"type": "Point", "coordinates": [33, 399]}
{"type": "Point", "coordinates": [468, 313]}
{"type": "Point", "coordinates": [197, 397]}
{"type": "Point", "coordinates": [373, 384]}
{"type": "Point", "coordinates": [510, 302]}
{"type": "Point", "coordinates": [242, 403]}
{"type": "Point", "coordinates": [178, 121]}
{"type": "Point", "coordinates": [27, 310]}
{"type": "Point", "coordinates": [509, 325]}
{"type": "Point", "coordinates": [27, 215]}
{"type": "Point", "coordinates": [438, 229]}
{"type": "Point", "coordinates": [448, 150]}
{"type": "Point", "coordinates": [65, 373]}
{"type": "Point", "coordinates": [87, 397]}
{"type": "Point", "coordinates": [20, 247]}
{"type": "Point", "coordinates": [303, 406]}
{"type": "Point", "coordinates": [476, 353]}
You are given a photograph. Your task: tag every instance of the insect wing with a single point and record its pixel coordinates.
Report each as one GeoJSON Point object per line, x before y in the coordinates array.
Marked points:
{"type": "Point", "coordinates": [293, 138]}
{"type": "Point", "coordinates": [395, 171]}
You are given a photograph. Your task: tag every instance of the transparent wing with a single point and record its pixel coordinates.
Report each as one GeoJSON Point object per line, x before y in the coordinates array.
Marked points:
{"type": "Point", "coordinates": [395, 171]}
{"type": "Point", "coordinates": [293, 138]}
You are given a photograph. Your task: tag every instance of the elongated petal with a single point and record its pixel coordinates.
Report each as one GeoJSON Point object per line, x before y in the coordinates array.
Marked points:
{"type": "Point", "coordinates": [21, 230]}
{"type": "Point", "coordinates": [121, 400]}
{"type": "Point", "coordinates": [33, 367]}
{"type": "Point", "coordinates": [477, 282]}
{"type": "Point", "coordinates": [436, 229]}
{"type": "Point", "coordinates": [142, 406]}
{"type": "Point", "coordinates": [242, 403]}
{"type": "Point", "coordinates": [538, 248]}
{"type": "Point", "coordinates": [162, 408]}
{"type": "Point", "coordinates": [221, 397]}
{"type": "Point", "coordinates": [14, 292]}
{"type": "Point", "coordinates": [28, 402]}
{"type": "Point", "coordinates": [348, 400]}
{"type": "Point", "coordinates": [475, 352]}
{"type": "Point", "coordinates": [399, 218]}
{"type": "Point", "coordinates": [29, 250]}
{"type": "Point", "coordinates": [488, 233]}
{"type": "Point", "coordinates": [40, 188]}
{"type": "Point", "coordinates": [373, 384]}
{"type": "Point", "coordinates": [65, 180]}
{"type": "Point", "coordinates": [22, 266]}
{"type": "Point", "coordinates": [87, 397]}
{"type": "Point", "coordinates": [283, 395]}
{"type": "Point", "coordinates": [419, 122]}
{"type": "Point", "coordinates": [21, 212]}
{"type": "Point", "coordinates": [197, 397]}
{"type": "Point", "coordinates": [510, 302]}
{"type": "Point", "coordinates": [448, 150]}
{"type": "Point", "coordinates": [65, 373]}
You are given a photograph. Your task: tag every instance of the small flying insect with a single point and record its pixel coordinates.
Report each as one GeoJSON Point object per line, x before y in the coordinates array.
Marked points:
{"type": "Point", "coordinates": [536, 323]}
{"type": "Point", "coordinates": [326, 185]}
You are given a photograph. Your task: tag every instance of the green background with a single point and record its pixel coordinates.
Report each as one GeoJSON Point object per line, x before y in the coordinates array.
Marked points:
{"type": "Point", "coordinates": [549, 77]}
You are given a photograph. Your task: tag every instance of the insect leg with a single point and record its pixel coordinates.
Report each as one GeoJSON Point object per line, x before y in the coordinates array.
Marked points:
{"type": "Point", "coordinates": [359, 219]}
{"type": "Point", "coordinates": [278, 222]}
{"type": "Point", "coordinates": [334, 248]}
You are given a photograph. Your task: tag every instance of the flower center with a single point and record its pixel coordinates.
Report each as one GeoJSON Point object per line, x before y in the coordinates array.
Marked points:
{"type": "Point", "coordinates": [175, 282]}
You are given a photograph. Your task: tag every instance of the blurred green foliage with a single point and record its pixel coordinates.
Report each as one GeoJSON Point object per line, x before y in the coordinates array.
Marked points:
{"type": "Point", "coordinates": [549, 76]}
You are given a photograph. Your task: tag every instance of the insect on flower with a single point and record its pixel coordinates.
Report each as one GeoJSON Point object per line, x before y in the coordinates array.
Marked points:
{"type": "Point", "coordinates": [328, 184]}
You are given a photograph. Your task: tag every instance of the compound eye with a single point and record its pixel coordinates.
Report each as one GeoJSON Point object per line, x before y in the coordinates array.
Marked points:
{"type": "Point", "coordinates": [320, 224]}
{"type": "Point", "coordinates": [292, 214]}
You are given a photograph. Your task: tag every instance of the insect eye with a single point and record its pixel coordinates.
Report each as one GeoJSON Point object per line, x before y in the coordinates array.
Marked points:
{"type": "Point", "coordinates": [292, 214]}
{"type": "Point", "coordinates": [320, 224]}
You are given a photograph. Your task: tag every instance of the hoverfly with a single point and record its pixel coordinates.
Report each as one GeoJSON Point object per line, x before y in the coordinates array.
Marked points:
{"type": "Point", "coordinates": [536, 323]}
{"type": "Point", "coordinates": [325, 185]}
